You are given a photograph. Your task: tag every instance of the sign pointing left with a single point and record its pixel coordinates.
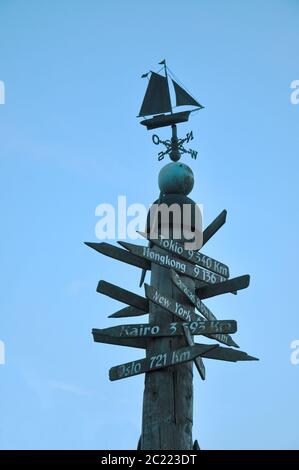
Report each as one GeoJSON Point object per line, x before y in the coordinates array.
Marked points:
{"type": "Point", "coordinates": [202, 308]}
{"type": "Point", "coordinates": [159, 361]}
{"type": "Point", "coordinates": [127, 312]}
{"type": "Point", "coordinates": [119, 254]}
{"type": "Point", "coordinates": [123, 295]}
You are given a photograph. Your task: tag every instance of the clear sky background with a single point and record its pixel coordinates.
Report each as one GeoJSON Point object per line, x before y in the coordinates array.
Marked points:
{"type": "Point", "coordinates": [70, 140]}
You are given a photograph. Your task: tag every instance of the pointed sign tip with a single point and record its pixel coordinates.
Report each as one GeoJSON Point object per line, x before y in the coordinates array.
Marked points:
{"type": "Point", "coordinates": [123, 244]}
{"type": "Point", "coordinates": [90, 244]}
{"type": "Point", "coordinates": [98, 246]}
{"type": "Point", "coordinates": [252, 358]}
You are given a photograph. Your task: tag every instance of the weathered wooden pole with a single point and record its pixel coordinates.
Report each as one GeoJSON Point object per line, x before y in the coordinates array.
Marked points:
{"type": "Point", "coordinates": [168, 394]}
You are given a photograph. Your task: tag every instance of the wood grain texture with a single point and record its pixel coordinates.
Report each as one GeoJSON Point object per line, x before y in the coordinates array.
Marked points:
{"type": "Point", "coordinates": [168, 394]}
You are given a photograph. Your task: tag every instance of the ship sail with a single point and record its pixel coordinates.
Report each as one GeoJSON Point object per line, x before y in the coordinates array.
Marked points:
{"type": "Point", "coordinates": [157, 97]}
{"type": "Point", "coordinates": [183, 98]}
{"type": "Point", "coordinates": [157, 102]}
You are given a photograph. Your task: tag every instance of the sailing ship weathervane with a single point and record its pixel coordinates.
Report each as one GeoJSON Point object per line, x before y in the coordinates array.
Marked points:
{"type": "Point", "coordinates": [157, 104]}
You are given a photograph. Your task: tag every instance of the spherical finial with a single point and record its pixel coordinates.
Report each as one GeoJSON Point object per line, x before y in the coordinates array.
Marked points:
{"type": "Point", "coordinates": [176, 178]}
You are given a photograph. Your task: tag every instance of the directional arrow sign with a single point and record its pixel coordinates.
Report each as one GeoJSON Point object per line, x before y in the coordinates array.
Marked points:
{"type": "Point", "coordinates": [232, 285]}
{"type": "Point", "coordinates": [159, 361]}
{"type": "Point", "coordinates": [193, 256]}
{"type": "Point", "coordinates": [198, 360]}
{"type": "Point", "coordinates": [141, 330]}
{"type": "Point", "coordinates": [119, 254]}
{"type": "Point", "coordinates": [117, 293]}
{"type": "Point", "coordinates": [214, 227]}
{"type": "Point", "coordinates": [228, 354]}
{"type": "Point", "coordinates": [184, 312]}
{"type": "Point", "coordinates": [168, 261]}
{"type": "Point", "coordinates": [141, 343]}
{"type": "Point", "coordinates": [127, 312]}
{"type": "Point", "coordinates": [201, 307]}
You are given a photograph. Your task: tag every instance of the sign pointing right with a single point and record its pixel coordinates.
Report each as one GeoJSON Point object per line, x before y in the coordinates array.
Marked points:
{"type": "Point", "coordinates": [232, 285]}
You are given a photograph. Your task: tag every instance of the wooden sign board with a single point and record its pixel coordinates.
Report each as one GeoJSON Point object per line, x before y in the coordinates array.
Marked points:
{"type": "Point", "coordinates": [228, 354]}
{"type": "Point", "coordinates": [198, 360]}
{"type": "Point", "coordinates": [141, 330]}
{"type": "Point", "coordinates": [141, 343]}
{"type": "Point", "coordinates": [202, 308]}
{"type": "Point", "coordinates": [159, 361]}
{"type": "Point", "coordinates": [119, 254]}
{"type": "Point", "coordinates": [214, 226]}
{"type": "Point", "coordinates": [193, 256]}
{"type": "Point", "coordinates": [184, 312]}
{"type": "Point", "coordinates": [231, 285]}
{"type": "Point", "coordinates": [123, 295]}
{"type": "Point", "coordinates": [170, 262]}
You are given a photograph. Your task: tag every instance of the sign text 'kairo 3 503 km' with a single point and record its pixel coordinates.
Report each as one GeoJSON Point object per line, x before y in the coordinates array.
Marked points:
{"type": "Point", "coordinates": [181, 278]}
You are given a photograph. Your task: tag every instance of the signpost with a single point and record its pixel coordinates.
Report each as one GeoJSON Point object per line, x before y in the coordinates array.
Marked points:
{"type": "Point", "coordinates": [180, 280]}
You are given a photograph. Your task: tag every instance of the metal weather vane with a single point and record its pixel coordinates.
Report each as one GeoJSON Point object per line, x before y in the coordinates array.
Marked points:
{"type": "Point", "coordinates": [157, 103]}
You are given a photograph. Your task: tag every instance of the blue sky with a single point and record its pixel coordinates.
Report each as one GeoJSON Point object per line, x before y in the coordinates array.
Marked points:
{"type": "Point", "coordinates": [69, 140]}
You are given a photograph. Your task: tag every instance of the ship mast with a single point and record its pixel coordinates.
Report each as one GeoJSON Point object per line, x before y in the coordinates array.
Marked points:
{"type": "Point", "coordinates": [174, 153]}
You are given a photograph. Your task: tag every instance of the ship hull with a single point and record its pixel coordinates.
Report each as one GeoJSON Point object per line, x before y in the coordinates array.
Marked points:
{"type": "Point", "coordinates": [163, 120]}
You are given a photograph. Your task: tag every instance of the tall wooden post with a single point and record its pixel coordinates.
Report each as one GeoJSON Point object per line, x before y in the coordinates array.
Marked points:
{"type": "Point", "coordinates": [168, 394]}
